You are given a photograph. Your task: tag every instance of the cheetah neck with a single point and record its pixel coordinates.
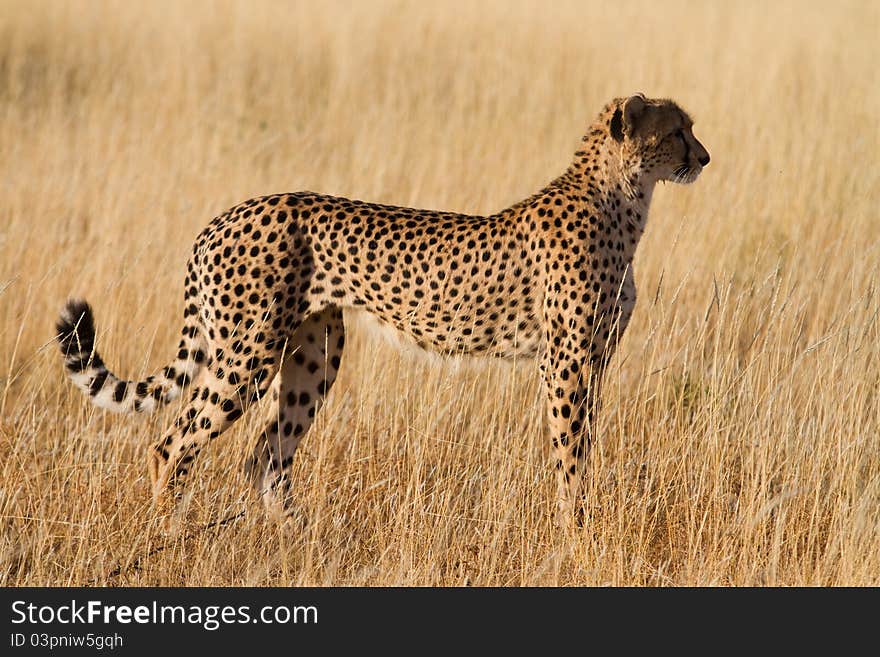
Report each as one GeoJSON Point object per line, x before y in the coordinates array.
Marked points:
{"type": "Point", "coordinates": [612, 187]}
{"type": "Point", "coordinates": [601, 165]}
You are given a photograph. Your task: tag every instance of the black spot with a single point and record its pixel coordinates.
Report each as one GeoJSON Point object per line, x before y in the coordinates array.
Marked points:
{"type": "Point", "coordinates": [119, 392]}
{"type": "Point", "coordinates": [616, 125]}
{"type": "Point", "coordinates": [98, 382]}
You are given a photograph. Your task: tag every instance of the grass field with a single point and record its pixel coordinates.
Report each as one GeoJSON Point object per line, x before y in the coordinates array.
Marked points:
{"type": "Point", "coordinates": [740, 438]}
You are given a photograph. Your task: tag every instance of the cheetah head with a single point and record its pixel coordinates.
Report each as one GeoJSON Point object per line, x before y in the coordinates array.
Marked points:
{"type": "Point", "coordinates": [657, 140]}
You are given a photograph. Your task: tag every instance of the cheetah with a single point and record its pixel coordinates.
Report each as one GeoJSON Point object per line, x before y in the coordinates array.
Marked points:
{"type": "Point", "coordinates": [549, 278]}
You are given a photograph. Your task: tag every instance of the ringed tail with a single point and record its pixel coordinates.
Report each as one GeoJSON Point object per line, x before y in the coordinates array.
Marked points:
{"type": "Point", "coordinates": [86, 368]}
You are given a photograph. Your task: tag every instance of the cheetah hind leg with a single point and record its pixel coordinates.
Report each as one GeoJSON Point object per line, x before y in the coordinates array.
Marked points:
{"type": "Point", "coordinates": [219, 397]}
{"type": "Point", "coordinates": [306, 376]}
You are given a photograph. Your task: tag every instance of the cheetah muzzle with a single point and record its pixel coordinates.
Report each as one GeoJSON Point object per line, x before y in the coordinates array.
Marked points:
{"type": "Point", "coordinates": [268, 281]}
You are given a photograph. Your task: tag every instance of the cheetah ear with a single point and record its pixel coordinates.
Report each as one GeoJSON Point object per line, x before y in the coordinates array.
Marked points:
{"type": "Point", "coordinates": [633, 108]}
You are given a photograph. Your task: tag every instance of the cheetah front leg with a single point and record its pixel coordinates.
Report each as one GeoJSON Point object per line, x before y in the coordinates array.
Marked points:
{"type": "Point", "coordinates": [570, 412]}
{"type": "Point", "coordinates": [571, 379]}
{"type": "Point", "coordinates": [304, 381]}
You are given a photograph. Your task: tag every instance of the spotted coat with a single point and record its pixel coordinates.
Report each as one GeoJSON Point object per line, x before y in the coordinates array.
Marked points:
{"type": "Point", "coordinates": [268, 280]}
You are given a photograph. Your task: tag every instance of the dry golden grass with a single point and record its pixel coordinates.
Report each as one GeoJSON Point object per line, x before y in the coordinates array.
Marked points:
{"type": "Point", "coordinates": [739, 441]}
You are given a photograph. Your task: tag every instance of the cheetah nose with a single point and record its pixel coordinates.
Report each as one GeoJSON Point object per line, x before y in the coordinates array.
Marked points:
{"type": "Point", "coordinates": [704, 160]}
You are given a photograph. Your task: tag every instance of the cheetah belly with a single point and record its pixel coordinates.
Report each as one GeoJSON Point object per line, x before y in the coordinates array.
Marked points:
{"type": "Point", "coordinates": [526, 342]}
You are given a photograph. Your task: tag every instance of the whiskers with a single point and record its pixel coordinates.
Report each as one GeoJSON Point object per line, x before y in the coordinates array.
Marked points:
{"type": "Point", "coordinates": [684, 174]}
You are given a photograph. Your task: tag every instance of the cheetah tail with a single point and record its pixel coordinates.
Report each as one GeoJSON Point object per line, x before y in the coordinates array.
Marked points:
{"type": "Point", "coordinates": [76, 336]}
